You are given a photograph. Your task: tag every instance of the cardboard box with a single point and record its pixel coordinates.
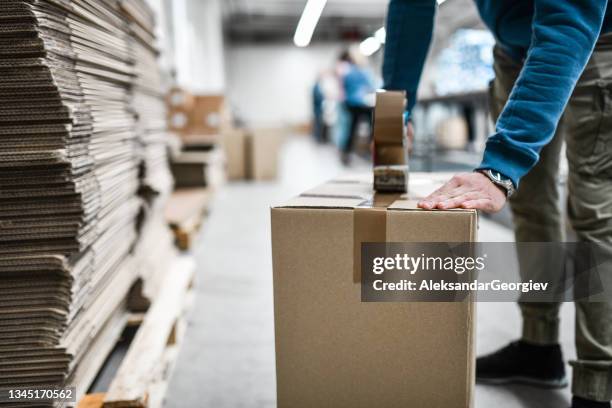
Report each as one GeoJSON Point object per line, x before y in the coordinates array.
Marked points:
{"type": "Point", "coordinates": [178, 120]}
{"type": "Point", "coordinates": [262, 149]}
{"type": "Point", "coordinates": [199, 169]}
{"type": "Point", "coordinates": [208, 115]}
{"type": "Point", "coordinates": [197, 114]}
{"type": "Point", "coordinates": [179, 104]}
{"type": "Point", "coordinates": [179, 98]}
{"type": "Point", "coordinates": [196, 142]}
{"type": "Point", "coordinates": [332, 350]}
{"type": "Point", "coordinates": [234, 145]}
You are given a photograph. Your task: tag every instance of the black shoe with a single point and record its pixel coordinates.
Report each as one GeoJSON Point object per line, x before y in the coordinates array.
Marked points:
{"type": "Point", "coordinates": [345, 158]}
{"type": "Point", "coordinates": [578, 402]}
{"type": "Point", "coordinates": [523, 363]}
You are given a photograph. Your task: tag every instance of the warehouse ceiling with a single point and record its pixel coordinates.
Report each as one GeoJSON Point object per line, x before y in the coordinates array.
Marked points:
{"type": "Point", "coordinates": [275, 20]}
{"type": "Point", "coordinates": [264, 20]}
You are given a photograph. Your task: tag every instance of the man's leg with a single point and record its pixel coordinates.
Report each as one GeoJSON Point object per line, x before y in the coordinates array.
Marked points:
{"type": "Point", "coordinates": [348, 143]}
{"type": "Point", "coordinates": [537, 358]}
{"type": "Point", "coordinates": [535, 207]}
{"type": "Point", "coordinates": [589, 153]}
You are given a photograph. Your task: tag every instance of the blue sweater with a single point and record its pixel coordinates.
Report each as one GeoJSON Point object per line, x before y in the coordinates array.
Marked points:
{"type": "Point", "coordinates": [358, 84]}
{"type": "Point", "coordinates": [554, 39]}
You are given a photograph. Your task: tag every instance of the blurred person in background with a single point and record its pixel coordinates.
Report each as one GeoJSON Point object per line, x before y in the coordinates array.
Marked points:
{"type": "Point", "coordinates": [326, 93]}
{"type": "Point", "coordinates": [553, 58]}
{"type": "Point", "coordinates": [318, 103]}
{"type": "Point", "coordinates": [359, 88]}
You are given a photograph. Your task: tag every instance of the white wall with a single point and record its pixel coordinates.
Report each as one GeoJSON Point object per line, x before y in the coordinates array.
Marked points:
{"type": "Point", "coordinates": [198, 45]}
{"type": "Point", "coordinates": [271, 84]}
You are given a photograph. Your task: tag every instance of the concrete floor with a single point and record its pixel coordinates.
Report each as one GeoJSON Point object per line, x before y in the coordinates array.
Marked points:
{"type": "Point", "coordinates": [227, 359]}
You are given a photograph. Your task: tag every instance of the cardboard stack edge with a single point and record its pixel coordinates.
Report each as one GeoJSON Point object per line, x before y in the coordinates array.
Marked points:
{"type": "Point", "coordinates": [386, 354]}
{"type": "Point", "coordinates": [80, 206]}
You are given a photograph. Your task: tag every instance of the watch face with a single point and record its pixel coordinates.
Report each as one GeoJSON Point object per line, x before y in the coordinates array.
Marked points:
{"type": "Point", "coordinates": [496, 175]}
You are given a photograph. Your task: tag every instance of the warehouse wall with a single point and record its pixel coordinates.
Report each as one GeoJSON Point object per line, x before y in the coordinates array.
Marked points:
{"type": "Point", "coordinates": [271, 84]}
{"type": "Point", "coordinates": [198, 44]}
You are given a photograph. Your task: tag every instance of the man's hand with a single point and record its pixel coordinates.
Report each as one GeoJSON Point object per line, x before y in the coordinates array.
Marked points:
{"type": "Point", "coordinates": [466, 190]}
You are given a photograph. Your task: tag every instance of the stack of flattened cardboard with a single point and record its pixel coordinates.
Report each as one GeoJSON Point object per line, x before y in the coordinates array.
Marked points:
{"type": "Point", "coordinates": [156, 182]}
{"type": "Point", "coordinates": [149, 100]}
{"type": "Point", "coordinates": [68, 184]}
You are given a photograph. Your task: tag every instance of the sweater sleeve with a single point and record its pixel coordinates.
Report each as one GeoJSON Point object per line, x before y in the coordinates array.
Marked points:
{"type": "Point", "coordinates": [409, 31]}
{"type": "Point", "coordinates": [564, 35]}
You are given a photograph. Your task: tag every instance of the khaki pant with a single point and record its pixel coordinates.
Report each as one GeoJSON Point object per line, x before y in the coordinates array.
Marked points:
{"type": "Point", "coordinates": [587, 129]}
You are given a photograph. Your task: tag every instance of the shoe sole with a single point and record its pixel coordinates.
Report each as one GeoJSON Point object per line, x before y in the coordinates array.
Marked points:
{"type": "Point", "coordinates": [535, 382]}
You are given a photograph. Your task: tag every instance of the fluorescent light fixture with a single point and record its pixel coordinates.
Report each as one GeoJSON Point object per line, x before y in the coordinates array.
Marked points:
{"type": "Point", "coordinates": [308, 22]}
{"type": "Point", "coordinates": [381, 35]}
{"type": "Point", "coordinates": [369, 46]}
{"type": "Point", "coordinates": [440, 2]}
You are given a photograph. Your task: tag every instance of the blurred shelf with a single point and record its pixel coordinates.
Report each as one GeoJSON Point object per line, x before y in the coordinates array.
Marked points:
{"type": "Point", "coordinates": [473, 97]}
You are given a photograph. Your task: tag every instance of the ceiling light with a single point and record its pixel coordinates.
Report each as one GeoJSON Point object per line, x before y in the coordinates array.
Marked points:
{"type": "Point", "coordinates": [440, 2]}
{"type": "Point", "coordinates": [369, 46]}
{"type": "Point", "coordinates": [308, 22]}
{"type": "Point", "coordinates": [381, 35]}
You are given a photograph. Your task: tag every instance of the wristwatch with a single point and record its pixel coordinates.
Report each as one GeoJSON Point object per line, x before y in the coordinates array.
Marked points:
{"type": "Point", "coordinates": [500, 181]}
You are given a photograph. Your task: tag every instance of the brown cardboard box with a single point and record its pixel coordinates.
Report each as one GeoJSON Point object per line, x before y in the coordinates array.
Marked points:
{"type": "Point", "coordinates": [197, 114]}
{"type": "Point", "coordinates": [199, 169]}
{"type": "Point", "coordinates": [262, 147]}
{"type": "Point", "coordinates": [208, 115]}
{"type": "Point", "coordinates": [199, 143]}
{"type": "Point", "coordinates": [233, 142]}
{"type": "Point", "coordinates": [179, 98]}
{"type": "Point", "coordinates": [234, 145]}
{"type": "Point", "coordinates": [179, 104]}
{"type": "Point", "coordinates": [332, 350]}
{"type": "Point", "coordinates": [178, 120]}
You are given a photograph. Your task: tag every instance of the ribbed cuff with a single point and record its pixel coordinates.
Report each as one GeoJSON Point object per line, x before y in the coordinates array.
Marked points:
{"type": "Point", "coordinates": [511, 162]}
{"type": "Point", "coordinates": [592, 380]}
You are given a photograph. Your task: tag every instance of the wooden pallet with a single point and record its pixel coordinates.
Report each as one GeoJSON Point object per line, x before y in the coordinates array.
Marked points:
{"type": "Point", "coordinates": [185, 212]}
{"type": "Point", "coordinates": [142, 377]}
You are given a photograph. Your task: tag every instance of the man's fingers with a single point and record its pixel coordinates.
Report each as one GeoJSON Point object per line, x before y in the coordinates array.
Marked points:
{"type": "Point", "coordinates": [458, 200]}
{"type": "Point", "coordinates": [426, 205]}
{"type": "Point", "coordinates": [471, 191]}
{"type": "Point", "coordinates": [443, 194]}
{"type": "Point", "coordinates": [484, 204]}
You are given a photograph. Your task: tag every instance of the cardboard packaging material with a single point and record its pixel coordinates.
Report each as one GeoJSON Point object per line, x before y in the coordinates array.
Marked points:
{"type": "Point", "coordinates": [234, 145]}
{"type": "Point", "coordinates": [332, 350]}
{"type": "Point", "coordinates": [83, 169]}
{"type": "Point", "coordinates": [262, 147]}
{"type": "Point", "coordinates": [196, 142]}
{"type": "Point", "coordinates": [179, 104]}
{"type": "Point", "coordinates": [197, 114]}
{"type": "Point", "coordinates": [209, 115]}
{"type": "Point", "coordinates": [179, 98]}
{"type": "Point", "coordinates": [199, 169]}
{"type": "Point", "coordinates": [178, 120]}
